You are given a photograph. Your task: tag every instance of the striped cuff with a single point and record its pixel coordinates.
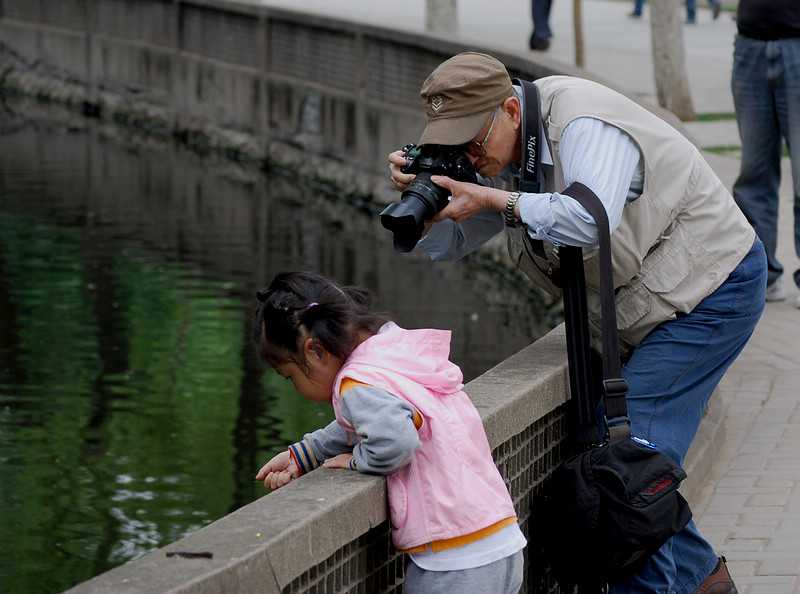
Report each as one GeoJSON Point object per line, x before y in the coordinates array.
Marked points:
{"type": "Point", "coordinates": [303, 456]}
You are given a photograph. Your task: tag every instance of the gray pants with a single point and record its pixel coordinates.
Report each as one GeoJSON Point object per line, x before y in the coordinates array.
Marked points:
{"type": "Point", "coordinates": [501, 577]}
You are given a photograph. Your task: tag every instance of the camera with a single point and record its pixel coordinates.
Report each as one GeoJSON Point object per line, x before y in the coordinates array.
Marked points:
{"type": "Point", "coordinates": [422, 199]}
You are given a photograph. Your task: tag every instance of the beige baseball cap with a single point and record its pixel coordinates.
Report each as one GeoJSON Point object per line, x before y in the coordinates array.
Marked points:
{"type": "Point", "coordinates": [460, 94]}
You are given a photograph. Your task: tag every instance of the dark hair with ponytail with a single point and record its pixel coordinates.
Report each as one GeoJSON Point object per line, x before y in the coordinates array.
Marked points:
{"type": "Point", "coordinates": [297, 305]}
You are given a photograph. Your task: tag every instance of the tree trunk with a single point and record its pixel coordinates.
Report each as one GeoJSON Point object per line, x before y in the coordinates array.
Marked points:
{"type": "Point", "coordinates": [669, 66]}
{"type": "Point", "coordinates": [578, 25]}
{"type": "Point", "coordinates": [441, 16]}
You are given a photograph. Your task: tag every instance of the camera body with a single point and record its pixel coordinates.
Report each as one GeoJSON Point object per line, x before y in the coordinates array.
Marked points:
{"type": "Point", "coordinates": [422, 199]}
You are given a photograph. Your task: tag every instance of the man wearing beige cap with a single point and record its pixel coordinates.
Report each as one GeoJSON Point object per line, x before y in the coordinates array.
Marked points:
{"type": "Point", "coordinates": [689, 272]}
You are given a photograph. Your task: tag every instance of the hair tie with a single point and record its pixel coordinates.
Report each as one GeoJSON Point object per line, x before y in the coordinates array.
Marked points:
{"type": "Point", "coordinates": [312, 304]}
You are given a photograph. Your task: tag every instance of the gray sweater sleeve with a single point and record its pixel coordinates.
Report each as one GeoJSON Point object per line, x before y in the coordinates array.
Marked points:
{"type": "Point", "coordinates": [385, 425]}
{"type": "Point", "coordinates": [386, 439]}
{"type": "Point", "coordinates": [318, 446]}
{"type": "Point", "coordinates": [329, 441]}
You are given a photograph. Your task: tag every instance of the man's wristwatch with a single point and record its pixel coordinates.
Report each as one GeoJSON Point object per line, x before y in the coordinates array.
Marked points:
{"type": "Point", "coordinates": [511, 219]}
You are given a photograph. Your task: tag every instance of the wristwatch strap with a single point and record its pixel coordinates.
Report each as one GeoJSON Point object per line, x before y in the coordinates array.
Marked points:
{"type": "Point", "coordinates": [510, 217]}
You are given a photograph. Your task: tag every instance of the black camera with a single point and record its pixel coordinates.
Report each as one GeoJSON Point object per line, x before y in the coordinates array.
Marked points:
{"type": "Point", "coordinates": [422, 199]}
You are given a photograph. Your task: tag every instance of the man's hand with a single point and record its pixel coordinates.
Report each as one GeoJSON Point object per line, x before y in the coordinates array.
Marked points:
{"type": "Point", "coordinates": [400, 180]}
{"type": "Point", "coordinates": [468, 199]}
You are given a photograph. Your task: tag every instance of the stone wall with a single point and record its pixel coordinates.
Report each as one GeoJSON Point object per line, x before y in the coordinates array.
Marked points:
{"type": "Point", "coordinates": [329, 99]}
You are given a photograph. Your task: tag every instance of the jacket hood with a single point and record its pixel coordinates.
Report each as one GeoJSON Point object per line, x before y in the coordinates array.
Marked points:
{"type": "Point", "coordinates": [420, 355]}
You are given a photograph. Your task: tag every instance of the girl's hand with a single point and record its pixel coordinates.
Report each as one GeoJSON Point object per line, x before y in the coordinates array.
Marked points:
{"type": "Point", "coordinates": [279, 471]}
{"type": "Point", "coordinates": [400, 180]}
{"type": "Point", "coordinates": [340, 461]}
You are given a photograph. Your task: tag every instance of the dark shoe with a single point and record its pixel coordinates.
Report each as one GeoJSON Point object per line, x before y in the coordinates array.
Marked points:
{"type": "Point", "coordinates": [539, 44]}
{"type": "Point", "coordinates": [715, 8]}
{"type": "Point", "coordinates": [719, 582]}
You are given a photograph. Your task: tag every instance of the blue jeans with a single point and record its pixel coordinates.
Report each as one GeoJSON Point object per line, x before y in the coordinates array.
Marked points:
{"type": "Point", "coordinates": [691, 10]}
{"type": "Point", "coordinates": [671, 377]}
{"type": "Point", "coordinates": [540, 11]}
{"type": "Point", "coordinates": [766, 95]}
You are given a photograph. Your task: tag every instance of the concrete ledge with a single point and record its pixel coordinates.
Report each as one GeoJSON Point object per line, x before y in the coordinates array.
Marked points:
{"type": "Point", "coordinates": [263, 546]}
{"type": "Point", "coordinates": [524, 388]}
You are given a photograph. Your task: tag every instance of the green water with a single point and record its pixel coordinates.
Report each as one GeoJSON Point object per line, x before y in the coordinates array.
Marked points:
{"type": "Point", "coordinates": [124, 422]}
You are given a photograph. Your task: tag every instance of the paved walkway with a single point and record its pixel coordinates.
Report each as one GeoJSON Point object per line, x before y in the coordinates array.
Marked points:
{"type": "Point", "coordinates": [749, 504]}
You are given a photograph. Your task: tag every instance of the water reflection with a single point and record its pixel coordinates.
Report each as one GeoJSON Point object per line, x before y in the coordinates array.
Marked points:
{"type": "Point", "coordinates": [132, 410]}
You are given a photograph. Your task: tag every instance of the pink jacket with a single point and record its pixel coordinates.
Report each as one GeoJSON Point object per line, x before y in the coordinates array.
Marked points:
{"type": "Point", "coordinates": [452, 487]}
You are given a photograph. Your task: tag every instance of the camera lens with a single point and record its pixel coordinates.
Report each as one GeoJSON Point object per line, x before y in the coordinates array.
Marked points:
{"type": "Point", "coordinates": [419, 201]}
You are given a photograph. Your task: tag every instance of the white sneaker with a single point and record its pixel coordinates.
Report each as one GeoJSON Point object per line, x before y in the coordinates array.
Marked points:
{"type": "Point", "coordinates": [775, 291]}
{"type": "Point", "coordinates": [798, 301]}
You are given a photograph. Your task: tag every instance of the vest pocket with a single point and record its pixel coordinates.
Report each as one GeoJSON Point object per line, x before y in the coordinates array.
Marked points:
{"type": "Point", "coordinates": [667, 266]}
{"type": "Point", "coordinates": [535, 266]}
{"type": "Point", "coordinates": [663, 287]}
{"type": "Point", "coordinates": [633, 304]}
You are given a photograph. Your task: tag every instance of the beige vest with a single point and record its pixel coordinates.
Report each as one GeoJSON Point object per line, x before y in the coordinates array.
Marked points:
{"type": "Point", "coordinates": [676, 244]}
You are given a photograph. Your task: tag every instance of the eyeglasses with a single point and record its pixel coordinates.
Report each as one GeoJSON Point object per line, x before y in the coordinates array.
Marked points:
{"type": "Point", "coordinates": [476, 148]}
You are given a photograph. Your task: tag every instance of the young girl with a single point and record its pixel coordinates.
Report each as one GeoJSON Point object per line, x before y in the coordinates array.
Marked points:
{"type": "Point", "coordinates": [400, 412]}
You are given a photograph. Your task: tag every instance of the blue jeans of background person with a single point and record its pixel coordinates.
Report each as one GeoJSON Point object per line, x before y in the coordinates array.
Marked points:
{"type": "Point", "coordinates": [691, 10]}
{"type": "Point", "coordinates": [766, 95]}
{"type": "Point", "coordinates": [671, 377]}
{"type": "Point", "coordinates": [540, 11]}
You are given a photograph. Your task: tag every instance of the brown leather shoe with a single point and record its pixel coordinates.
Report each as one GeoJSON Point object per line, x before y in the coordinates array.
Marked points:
{"type": "Point", "coordinates": [718, 582]}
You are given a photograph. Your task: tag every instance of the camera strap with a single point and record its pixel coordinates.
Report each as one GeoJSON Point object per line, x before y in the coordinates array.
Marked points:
{"type": "Point", "coordinates": [545, 258]}
{"type": "Point", "coordinates": [530, 172]}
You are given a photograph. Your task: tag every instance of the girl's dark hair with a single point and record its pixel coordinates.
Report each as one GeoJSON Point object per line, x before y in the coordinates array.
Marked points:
{"type": "Point", "coordinates": [301, 304]}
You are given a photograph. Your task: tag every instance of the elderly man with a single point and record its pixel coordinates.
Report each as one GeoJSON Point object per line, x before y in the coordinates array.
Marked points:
{"type": "Point", "coordinates": [689, 271]}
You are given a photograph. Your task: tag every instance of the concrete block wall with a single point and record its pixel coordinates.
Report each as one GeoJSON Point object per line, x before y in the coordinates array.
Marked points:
{"type": "Point", "coordinates": [329, 99]}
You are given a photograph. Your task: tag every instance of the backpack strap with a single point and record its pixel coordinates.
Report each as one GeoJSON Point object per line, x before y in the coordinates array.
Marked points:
{"type": "Point", "coordinates": [615, 388]}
